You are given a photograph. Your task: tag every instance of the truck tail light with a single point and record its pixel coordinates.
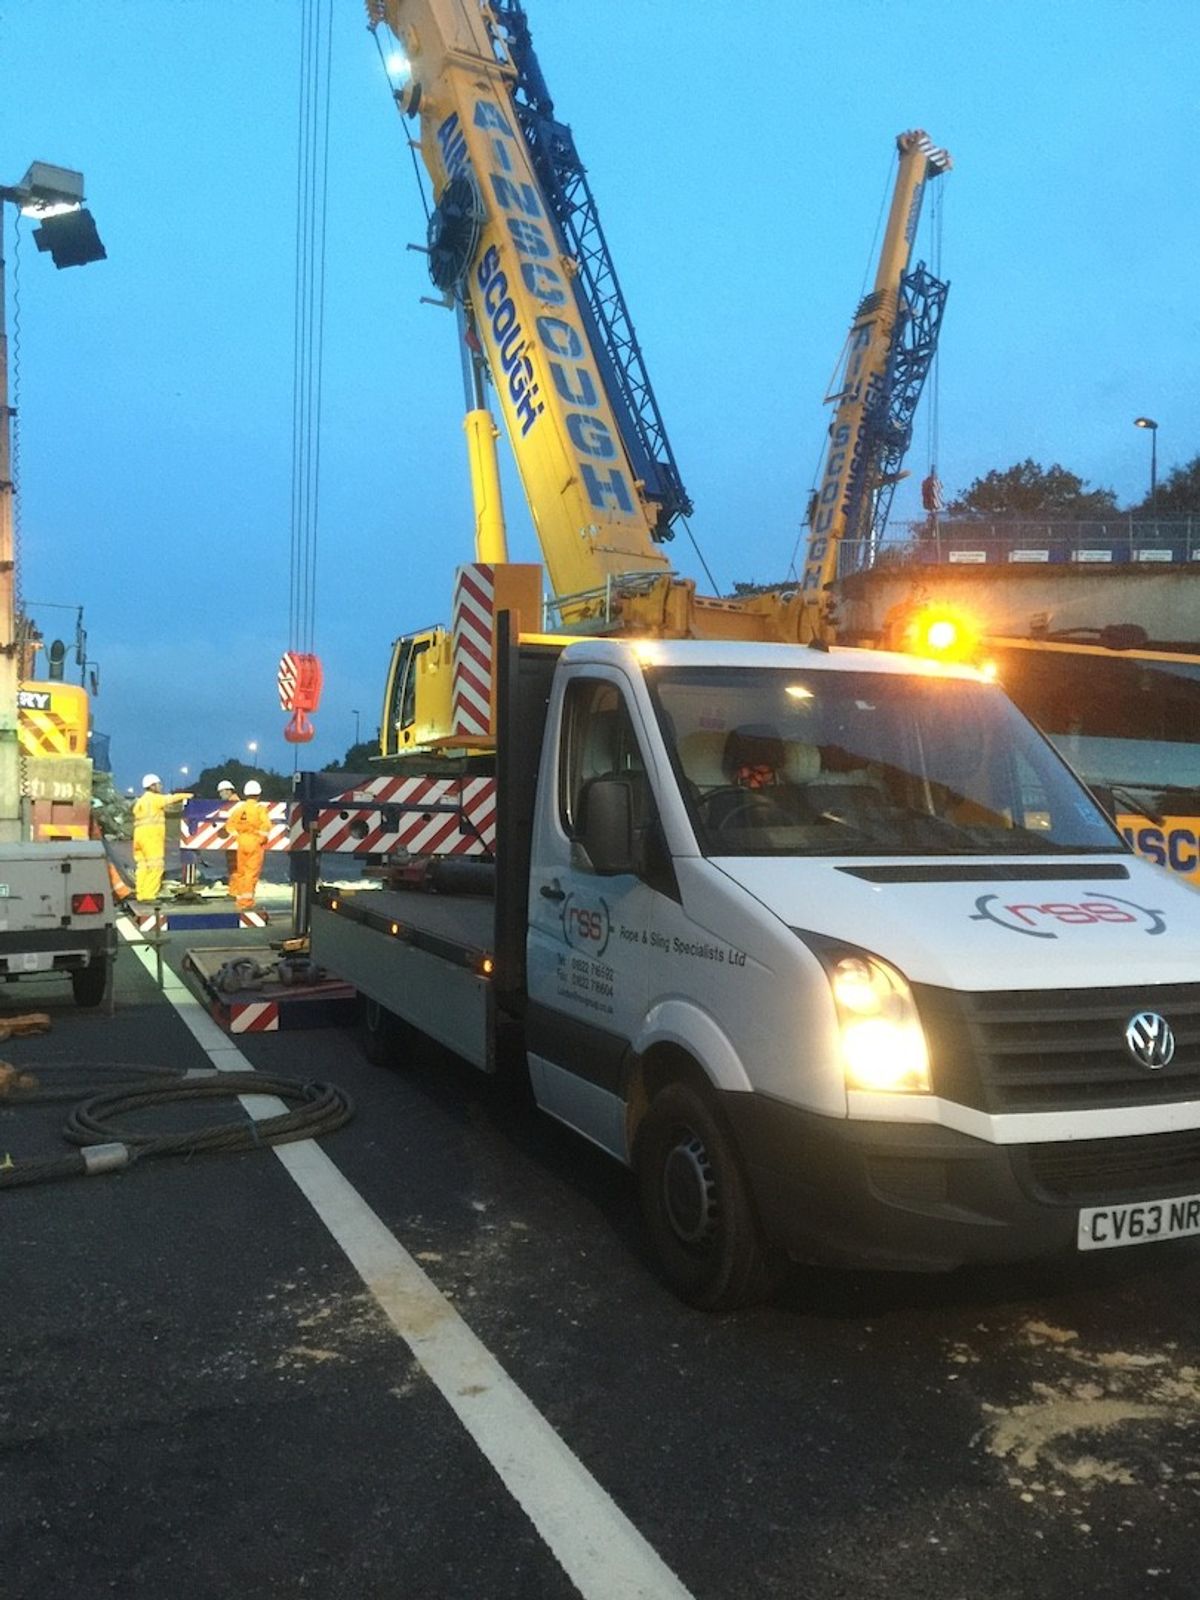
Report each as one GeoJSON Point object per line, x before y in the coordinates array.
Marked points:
{"type": "Point", "coordinates": [87, 905]}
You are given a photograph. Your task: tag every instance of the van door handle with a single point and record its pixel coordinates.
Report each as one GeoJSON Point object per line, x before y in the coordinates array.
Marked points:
{"type": "Point", "coordinates": [551, 891]}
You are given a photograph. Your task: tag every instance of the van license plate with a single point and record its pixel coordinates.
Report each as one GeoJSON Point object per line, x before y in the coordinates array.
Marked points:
{"type": "Point", "coordinates": [1105, 1227]}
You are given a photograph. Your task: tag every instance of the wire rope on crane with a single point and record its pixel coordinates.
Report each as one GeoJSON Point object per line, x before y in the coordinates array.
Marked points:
{"type": "Point", "coordinates": [300, 674]}
{"type": "Point", "coordinates": [374, 18]}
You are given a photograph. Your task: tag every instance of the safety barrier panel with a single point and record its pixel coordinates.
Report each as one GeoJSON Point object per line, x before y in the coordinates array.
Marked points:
{"type": "Point", "coordinates": [382, 815]}
{"type": "Point", "coordinates": [203, 826]}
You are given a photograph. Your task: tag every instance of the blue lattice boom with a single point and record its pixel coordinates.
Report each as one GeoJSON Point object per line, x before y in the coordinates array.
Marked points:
{"type": "Point", "coordinates": [890, 426]}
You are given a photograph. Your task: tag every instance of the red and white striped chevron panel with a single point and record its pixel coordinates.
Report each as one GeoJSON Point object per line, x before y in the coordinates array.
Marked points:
{"type": "Point", "coordinates": [255, 1016]}
{"type": "Point", "coordinates": [472, 643]}
{"type": "Point", "coordinates": [286, 678]}
{"type": "Point", "coordinates": [208, 833]}
{"type": "Point", "coordinates": [426, 816]}
{"type": "Point", "coordinates": [253, 919]}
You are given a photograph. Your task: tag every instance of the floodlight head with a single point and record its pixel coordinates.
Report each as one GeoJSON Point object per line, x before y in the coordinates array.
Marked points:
{"type": "Point", "coordinates": [71, 239]}
{"type": "Point", "coordinates": [44, 187]}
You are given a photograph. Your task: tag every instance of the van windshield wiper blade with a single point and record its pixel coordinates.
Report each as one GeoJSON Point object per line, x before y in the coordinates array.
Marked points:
{"type": "Point", "coordinates": [1120, 792]}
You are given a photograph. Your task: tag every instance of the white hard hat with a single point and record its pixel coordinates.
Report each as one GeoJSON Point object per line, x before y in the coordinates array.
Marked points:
{"type": "Point", "coordinates": [253, 787]}
{"type": "Point", "coordinates": [149, 779]}
{"type": "Point", "coordinates": [224, 783]}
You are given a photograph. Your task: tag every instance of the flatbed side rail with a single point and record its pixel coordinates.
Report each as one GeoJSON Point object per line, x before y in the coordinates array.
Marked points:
{"type": "Point", "coordinates": [357, 907]}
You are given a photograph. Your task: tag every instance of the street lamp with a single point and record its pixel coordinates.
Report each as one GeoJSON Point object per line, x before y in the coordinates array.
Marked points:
{"type": "Point", "coordinates": [252, 746]}
{"type": "Point", "coordinates": [354, 714]}
{"type": "Point", "coordinates": [1148, 422]}
{"type": "Point", "coordinates": [53, 195]}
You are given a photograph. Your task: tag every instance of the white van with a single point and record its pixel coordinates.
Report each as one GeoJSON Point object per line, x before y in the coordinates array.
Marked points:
{"type": "Point", "coordinates": [830, 946]}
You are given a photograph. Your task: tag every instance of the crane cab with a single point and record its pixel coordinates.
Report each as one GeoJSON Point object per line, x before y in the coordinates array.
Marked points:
{"type": "Point", "coordinates": [416, 703]}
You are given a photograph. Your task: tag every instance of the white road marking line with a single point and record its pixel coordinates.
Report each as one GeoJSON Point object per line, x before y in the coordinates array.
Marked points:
{"type": "Point", "coordinates": [600, 1550]}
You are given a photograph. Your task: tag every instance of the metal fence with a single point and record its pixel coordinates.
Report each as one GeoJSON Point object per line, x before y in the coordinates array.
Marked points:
{"type": "Point", "coordinates": [976, 542]}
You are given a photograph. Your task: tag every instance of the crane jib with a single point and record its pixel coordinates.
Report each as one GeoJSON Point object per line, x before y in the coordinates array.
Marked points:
{"type": "Point", "coordinates": [847, 439]}
{"type": "Point", "coordinates": [558, 340]}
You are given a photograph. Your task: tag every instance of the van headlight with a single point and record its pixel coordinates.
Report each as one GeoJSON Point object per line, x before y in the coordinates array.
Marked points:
{"type": "Point", "coordinates": [883, 1042]}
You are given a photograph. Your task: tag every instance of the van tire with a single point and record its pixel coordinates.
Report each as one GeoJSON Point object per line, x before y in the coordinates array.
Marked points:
{"type": "Point", "coordinates": [697, 1204]}
{"type": "Point", "coordinates": [89, 983]}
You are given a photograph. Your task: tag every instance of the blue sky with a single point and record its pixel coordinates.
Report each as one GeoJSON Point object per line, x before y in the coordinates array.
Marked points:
{"type": "Point", "coordinates": [739, 156]}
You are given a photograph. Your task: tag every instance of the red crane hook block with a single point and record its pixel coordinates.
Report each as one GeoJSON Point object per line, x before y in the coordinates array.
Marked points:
{"type": "Point", "coordinates": [299, 730]}
{"type": "Point", "coordinates": [300, 679]}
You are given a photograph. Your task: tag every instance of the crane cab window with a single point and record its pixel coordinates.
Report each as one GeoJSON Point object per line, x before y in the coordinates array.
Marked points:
{"type": "Point", "coordinates": [402, 689]}
{"type": "Point", "coordinates": [598, 742]}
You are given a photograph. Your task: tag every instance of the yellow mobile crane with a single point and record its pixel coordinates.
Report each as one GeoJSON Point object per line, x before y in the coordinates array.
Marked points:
{"type": "Point", "coordinates": [886, 358]}
{"type": "Point", "coordinates": [516, 247]}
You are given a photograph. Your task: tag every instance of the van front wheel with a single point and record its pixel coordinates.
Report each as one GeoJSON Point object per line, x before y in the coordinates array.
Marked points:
{"type": "Point", "coordinates": [697, 1205]}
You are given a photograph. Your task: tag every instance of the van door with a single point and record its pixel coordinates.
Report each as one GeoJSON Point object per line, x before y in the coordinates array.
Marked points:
{"type": "Point", "coordinates": [586, 965]}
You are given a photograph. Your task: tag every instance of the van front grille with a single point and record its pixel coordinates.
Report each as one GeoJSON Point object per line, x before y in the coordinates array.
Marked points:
{"type": "Point", "coordinates": [1057, 1049]}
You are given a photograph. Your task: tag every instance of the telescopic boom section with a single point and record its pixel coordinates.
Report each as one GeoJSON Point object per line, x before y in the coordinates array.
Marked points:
{"type": "Point", "coordinates": [493, 239]}
{"type": "Point", "coordinates": [851, 475]}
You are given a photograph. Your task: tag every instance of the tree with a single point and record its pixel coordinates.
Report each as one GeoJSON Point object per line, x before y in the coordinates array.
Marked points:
{"type": "Point", "coordinates": [1028, 490]}
{"type": "Point", "coordinates": [357, 758]}
{"type": "Point", "coordinates": [1178, 494]}
{"type": "Point", "coordinates": [275, 786]}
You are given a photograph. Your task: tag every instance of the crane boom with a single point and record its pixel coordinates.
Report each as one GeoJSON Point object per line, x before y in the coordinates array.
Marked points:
{"type": "Point", "coordinates": [887, 354]}
{"type": "Point", "coordinates": [597, 288]}
{"type": "Point", "coordinates": [494, 240]}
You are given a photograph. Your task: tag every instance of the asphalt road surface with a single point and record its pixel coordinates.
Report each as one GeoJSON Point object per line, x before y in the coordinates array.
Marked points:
{"type": "Point", "coordinates": [200, 1396]}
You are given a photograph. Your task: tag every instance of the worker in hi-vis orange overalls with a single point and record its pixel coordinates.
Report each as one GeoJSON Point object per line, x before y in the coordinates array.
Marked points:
{"type": "Point", "coordinates": [249, 823]}
{"type": "Point", "coordinates": [150, 835]}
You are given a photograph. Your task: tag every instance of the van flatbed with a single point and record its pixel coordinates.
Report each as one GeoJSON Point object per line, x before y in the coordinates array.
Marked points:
{"type": "Point", "coordinates": [448, 924]}
{"type": "Point", "coordinates": [438, 953]}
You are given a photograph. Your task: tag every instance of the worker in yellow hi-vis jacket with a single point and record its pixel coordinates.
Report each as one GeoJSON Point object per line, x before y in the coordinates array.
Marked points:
{"type": "Point", "coordinates": [150, 835]}
{"type": "Point", "coordinates": [250, 824]}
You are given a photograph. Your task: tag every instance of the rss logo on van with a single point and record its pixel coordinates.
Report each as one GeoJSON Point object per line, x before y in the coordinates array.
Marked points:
{"type": "Point", "coordinates": [586, 927]}
{"type": "Point", "coordinates": [1037, 920]}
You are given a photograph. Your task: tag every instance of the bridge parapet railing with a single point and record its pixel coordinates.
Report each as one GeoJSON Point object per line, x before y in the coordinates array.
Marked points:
{"type": "Point", "coordinates": [1118, 541]}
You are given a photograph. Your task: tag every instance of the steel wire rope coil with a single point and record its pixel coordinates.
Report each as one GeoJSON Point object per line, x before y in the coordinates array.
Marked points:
{"type": "Point", "coordinates": [106, 1144]}
{"type": "Point", "coordinates": [49, 1081]}
{"type": "Point", "coordinates": [319, 1108]}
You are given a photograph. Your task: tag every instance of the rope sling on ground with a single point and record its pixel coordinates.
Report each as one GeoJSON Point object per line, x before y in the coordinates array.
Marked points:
{"type": "Point", "coordinates": [107, 1144]}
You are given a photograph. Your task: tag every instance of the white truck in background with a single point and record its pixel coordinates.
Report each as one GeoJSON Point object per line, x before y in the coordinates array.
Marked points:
{"type": "Point", "coordinates": [56, 915]}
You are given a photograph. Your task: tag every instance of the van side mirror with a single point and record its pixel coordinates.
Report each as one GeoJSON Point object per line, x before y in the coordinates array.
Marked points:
{"type": "Point", "coordinates": [606, 825]}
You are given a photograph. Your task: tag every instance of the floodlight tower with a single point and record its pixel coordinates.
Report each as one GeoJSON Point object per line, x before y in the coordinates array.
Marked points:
{"type": "Point", "coordinates": [54, 196]}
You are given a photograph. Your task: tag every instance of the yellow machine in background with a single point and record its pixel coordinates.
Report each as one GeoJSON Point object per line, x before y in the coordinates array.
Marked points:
{"type": "Point", "coordinates": [53, 720]}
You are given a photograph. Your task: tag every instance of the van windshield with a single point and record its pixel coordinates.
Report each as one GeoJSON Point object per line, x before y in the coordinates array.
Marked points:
{"type": "Point", "coordinates": [780, 762]}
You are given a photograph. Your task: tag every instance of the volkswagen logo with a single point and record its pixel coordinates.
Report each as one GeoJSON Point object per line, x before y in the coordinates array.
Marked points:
{"type": "Point", "coordinates": [1150, 1040]}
